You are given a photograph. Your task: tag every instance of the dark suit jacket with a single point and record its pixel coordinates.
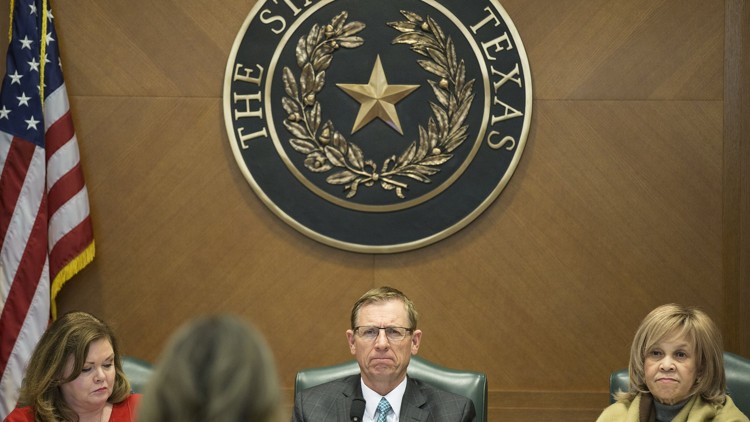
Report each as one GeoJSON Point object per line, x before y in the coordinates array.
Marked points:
{"type": "Point", "coordinates": [332, 401]}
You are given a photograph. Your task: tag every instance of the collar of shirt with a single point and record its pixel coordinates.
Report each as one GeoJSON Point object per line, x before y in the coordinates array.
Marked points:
{"type": "Point", "coordinates": [372, 399]}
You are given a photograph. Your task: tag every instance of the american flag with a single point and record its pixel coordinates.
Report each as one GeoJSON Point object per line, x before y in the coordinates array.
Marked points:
{"type": "Point", "coordinates": [45, 228]}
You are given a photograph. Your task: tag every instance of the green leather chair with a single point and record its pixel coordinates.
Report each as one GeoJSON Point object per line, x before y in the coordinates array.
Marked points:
{"type": "Point", "coordinates": [138, 372]}
{"type": "Point", "coordinates": [466, 383]}
{"type": "Point", "coordinates": [736, 368]}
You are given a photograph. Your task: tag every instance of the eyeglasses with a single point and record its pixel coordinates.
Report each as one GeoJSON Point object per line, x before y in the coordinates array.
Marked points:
{"type": "Point", "coordinates": [395, 334]}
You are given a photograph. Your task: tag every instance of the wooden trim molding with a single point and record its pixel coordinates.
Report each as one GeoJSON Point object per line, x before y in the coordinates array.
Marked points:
{"type": "Point", "coordinates": [736, 177]}
{"type": "Point", "coordinates": [545, 405]}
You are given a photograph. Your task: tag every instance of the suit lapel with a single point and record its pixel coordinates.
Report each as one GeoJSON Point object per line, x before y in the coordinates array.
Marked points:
{"type": "Point", "coordinates": [344, 404]}
{"type": "Point", "coordinates": [411, 405]}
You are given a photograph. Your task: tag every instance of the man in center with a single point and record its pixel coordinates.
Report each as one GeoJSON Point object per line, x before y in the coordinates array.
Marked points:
{"type": "Point", "coordinates": [383, 336]}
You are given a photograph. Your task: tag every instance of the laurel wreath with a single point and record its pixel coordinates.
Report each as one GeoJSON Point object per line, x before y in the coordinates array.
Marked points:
{"type": "Point", "coordinates": [326, 148]}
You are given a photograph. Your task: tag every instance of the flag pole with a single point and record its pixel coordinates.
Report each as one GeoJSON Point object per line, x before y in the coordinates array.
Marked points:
{"type": "Point", "coordinates": [10, 22]}
{"type": "Point", "coordinates": [43, 52]}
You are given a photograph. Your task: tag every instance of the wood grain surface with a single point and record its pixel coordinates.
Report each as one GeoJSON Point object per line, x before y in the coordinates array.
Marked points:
{"type": "Point", "coordinates": [633, 191]}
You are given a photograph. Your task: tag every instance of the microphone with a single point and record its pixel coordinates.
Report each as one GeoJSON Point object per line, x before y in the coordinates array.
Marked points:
{"type": "Point", "coordinates": [357, 411]}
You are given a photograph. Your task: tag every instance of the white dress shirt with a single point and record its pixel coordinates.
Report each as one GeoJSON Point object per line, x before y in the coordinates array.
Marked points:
{"type": "Point", "coordinates": [372, 399]}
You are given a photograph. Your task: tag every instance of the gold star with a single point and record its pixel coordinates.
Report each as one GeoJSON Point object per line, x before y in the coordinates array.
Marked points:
{"type": "Point", "coordinates": [377, 99]}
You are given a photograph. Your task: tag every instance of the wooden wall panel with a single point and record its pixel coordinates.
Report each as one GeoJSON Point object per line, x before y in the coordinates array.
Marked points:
{"type": "Point", "coordinates": [581, 242]}
{"type": "Point", "coordinates": [736, 181]}
{"type": "Point", "coordinates": [632, 192]}
{"type": "Point", "coordinates": [181, 234]}
{"type": "Point", "coordinates": [630, 50]}
{"type": "Point", "coordinates": [153, 49]}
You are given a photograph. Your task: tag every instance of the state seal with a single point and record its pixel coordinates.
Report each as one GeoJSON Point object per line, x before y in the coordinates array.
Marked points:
{"type": "Point", "coordinates": [377, 126]}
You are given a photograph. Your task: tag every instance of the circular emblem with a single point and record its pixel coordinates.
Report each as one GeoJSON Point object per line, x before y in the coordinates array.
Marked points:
{"type": "Point", "coordinates": [377, 126]}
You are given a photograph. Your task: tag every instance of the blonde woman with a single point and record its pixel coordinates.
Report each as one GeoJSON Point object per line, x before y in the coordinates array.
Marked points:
{"type": "Point", "coordinates": [676, 372]}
